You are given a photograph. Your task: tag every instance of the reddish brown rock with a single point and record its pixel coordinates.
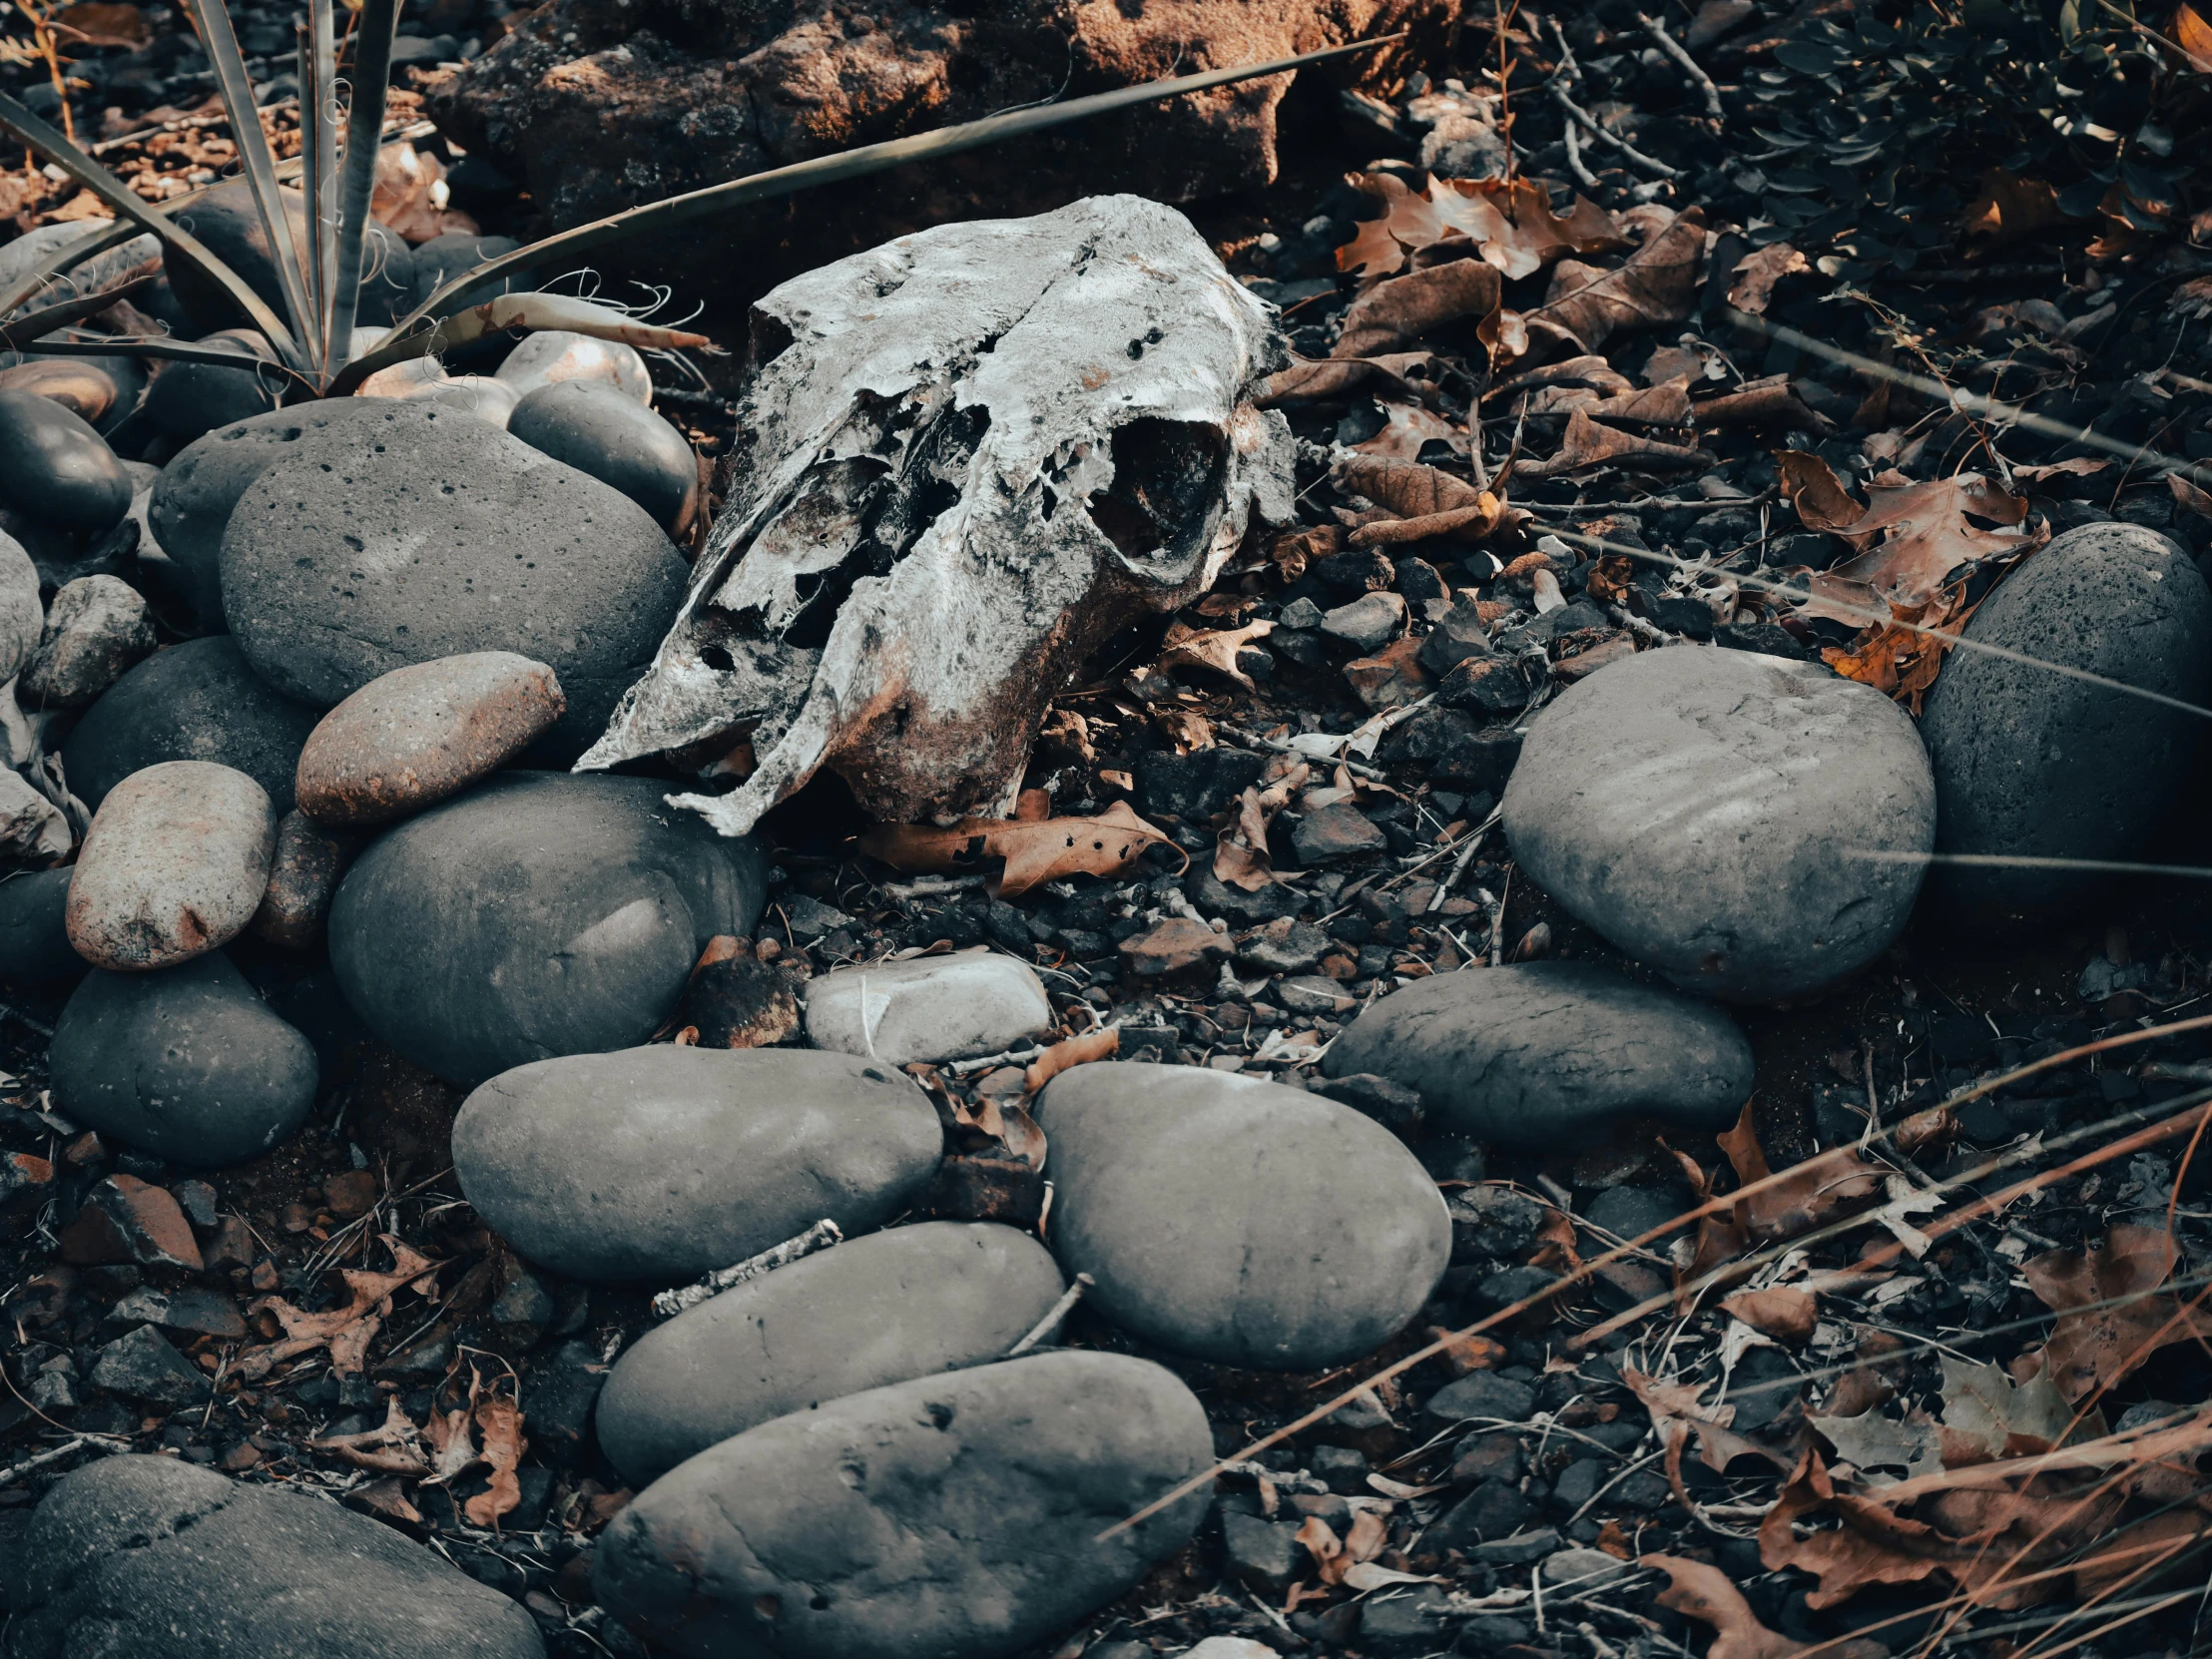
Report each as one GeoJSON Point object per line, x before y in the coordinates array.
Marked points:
{"type": "Point", "coordinates": [128, 1220]}
{"type": "Point", "coordinates": [354, 1193]}
{"type": "Point", "coordinates": [173, 866]}
{"type": "Point", "coordinates": [301, 877]}
{"type": "Point", "coordinates": [410, 738]}
{"type": "Point", "coordinates": [1177, 945]}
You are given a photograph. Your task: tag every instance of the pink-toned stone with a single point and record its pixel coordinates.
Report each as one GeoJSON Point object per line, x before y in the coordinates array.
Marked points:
{"type": "Point", "coordinates": [413, 737]}
{"type": "Point", "coordinates": [174, 865]}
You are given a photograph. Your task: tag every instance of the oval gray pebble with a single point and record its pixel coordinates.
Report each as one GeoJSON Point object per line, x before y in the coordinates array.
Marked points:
{"type": "Point", "coordinates": [174, 865]}
{"type": "Point", "coordinates": [1237, 1221]}
{"type": "Point", "coordinates": [907, 1303]}
{"type": "Point", "coordinates": [661, 1164]}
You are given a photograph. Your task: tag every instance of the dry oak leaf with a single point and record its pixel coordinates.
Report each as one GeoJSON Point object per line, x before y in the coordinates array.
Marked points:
{"type": "Point", "coordinates": [500, 1419]}
{"type": "Point", "coordinates": [2092, 1350]}
{"type": "Point", "coordinates": [1408, 427]}
{"type": "Point", "coordinates": [395, 1448]}
{"type": "Point", "coordinates": [1189, 647]}
{"type": "Point", "coordinates": [1897, 658]}
{"type": "Point", "coordinates": [1810, 486]}
{"type": "Point", "coordinates": [1071, 1051]}
{"type": "Point", "coordinates": [2188, 497]}
{"type": "Point", "coordinates": [2194, 36]}
{"type": "Point", "coordinates": [347, 1332]}
{"type": "Point", "coordinates": [1325, 380]}
{"type": "Point", "coordinates": [1751, 282]}
{"type": "Point", "coordinates": [1928, 533]}
{"type": "Point", "coordinates": [2010, 206]}
{"type": "Point", "coordinates": [1986, 1415]}
{"type": "Point", "coordinates": [1769, 403]}
{"type": "Point", "coordinates": [1428, 502]}
{"type": "Point", "coordinates": [1510, 222]}
{"type": "Point", "coordinates": [1587, 307]}
{"type": "Point", "coordinates": [1808, 1193]}
{"type": "Point", "coordinates": [1788, 1315]}
{"type": "Point", "coordinates": [1106, 844]}
{"type": "Point", "coordinates": [1703, 1592]}
{"type": "Point", "coordinates": [1396, 313]}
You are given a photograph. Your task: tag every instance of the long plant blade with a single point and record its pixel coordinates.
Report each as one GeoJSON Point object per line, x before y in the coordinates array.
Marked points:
{"type": "Point", "coordinates": [528, 311]}
{"type": "Point", "coordinates": [324, 41]}
{"type": "Point", "coordinates": [65, 259]}
{"type": "Point", "coordinates": [161, 345]}
{"type": "Point", "coordinates": [236, 88]}
{"type": "Point", "coordinates": [28, 129]}
{"type": "Point", "coordinates": [823, 170]}
{"type": "Point", "coordinates": [364, 125]}
{"type": "Point", "coordinates": [24, 330]}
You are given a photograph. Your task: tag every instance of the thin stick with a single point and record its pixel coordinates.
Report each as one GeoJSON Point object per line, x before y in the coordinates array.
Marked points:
{"type": "Point", "coordinates": [821, 1236]}
{"type": "Point", "coordinates": [1058, 1312]}
{"type": "Point", "coordinates": [54, 1455]}
{"type": "Point", "coordinates": [2010, 860]}
{"type": "Point", "coordinates": [1605, 135]}
{"type": "Point", "coordinates": [1680, 55]}
{"type": "Point", "coordinates": [1571, 136]}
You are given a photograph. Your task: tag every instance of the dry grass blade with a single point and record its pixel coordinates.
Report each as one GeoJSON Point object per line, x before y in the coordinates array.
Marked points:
{"type": "Point", "coordinates": [123, 204]}
{"type": "Point", "coordinates": [848, 164]}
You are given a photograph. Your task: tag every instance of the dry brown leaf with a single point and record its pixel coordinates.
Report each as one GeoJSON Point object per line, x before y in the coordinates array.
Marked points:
{"type": "Point", "coordinates": [394, 1447]}
{"type": "Point", "coordinates": [1510, 224]}
{"type": "Point", "coordinates": [1677, 1412]}
{"type": "Point", "coordinates": [500, 1419]}
{"type": "Point", "coordinates": [1590, 442]}
{"type": "Point", "coordinates": [1393, 313]}
{"type": "Point", "coordinates": [1770, 404]}
{"type": "Point", "coordinates": [387, 1497]}
{"type": "Point", "coordinates": [347, 1332]}
{"type": "Point", "coordinates": [1468, 1354]}
{"type": "Point", "coordinates": [1786, 1314]}
{"type": "Point", "coordinates": [1988, 1416]}
{"type": "Point", "coordinates": [452, 1445]}
{"type": "Point", "coordinates": [1705, 1593]}
{"type": "Point", "coordinates": [1241, 851]}
{"type": "Point", "coordinates": [1189, 647]}
{"type": "Point", "coordinates": [1929, 534]}
{"type": "Point", "coordinates": [1656, 285]}
{"type": "Point", "coordinates": [1665, 405]}
{"type": "Point", "coordinates": [1426, 500]}
{"type": "Point", "coordinates": [2193, 35]}
{"type": "Point", "coordinates": [2010, 206]}
{"type": "Point", "coordinates": [1810, 486]}
{"type": "Point", "coordinates": [2094, 1348]}
{"type": "Point", "coordinates": [1408, 427]}
{"type": "Point", "coordinates": [1327, 1549]}
{"type": "Point", "coordinates": [1587, 370]}
{"type": "Point", "coordinates": [1809, 1194]}
{"type": "Point", "coordinates": [102, 23]}
{"type": "Point", "coordinates": [1073, 1051]}
{"type": "Point", "coordinates": [1324, 379]}
{"type": "Point", "coordinates": [1106, 844]}
{"type": "Point", "coordinates": [1751, 282]}
{"type": "Point", "coordinates": [2188, 497]}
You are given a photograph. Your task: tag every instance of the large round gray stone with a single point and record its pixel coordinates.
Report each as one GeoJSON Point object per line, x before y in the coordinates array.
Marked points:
{"type": "Point", "coordinates": [190, 399]}
{"type": "Point", "coordinates": [1237, 1221]}
{"type": "Point", "coordinates": [1522, 1055]}
{"type": "Point", "coordinates": [908, 1303]}
{"type": "Point", "coordinates": [22, 615]}
{"type": "Point", "coordinates": [230, 223]}
{"type": "Point", "coordinates": [436, 536]}
{"type": "Point", "coordinates": [188, 1064]}
{"type": "Point", "coordinates": [951, 1517]}
{"type": "Point", "coordinates": [193, 701]}
{"type": "Point", "coordinates": [664, 1163]}
{"type": "Point", "coordinates": [2035, 764]}
{"type": "Point", "coordinates": [539, 914]}
{"type": "Point", "coordinates": [202, 482]}
{"type": "Point", "coordinates": [1709, 811]}
{"type": "Point", "coordinates": [158, 1559]}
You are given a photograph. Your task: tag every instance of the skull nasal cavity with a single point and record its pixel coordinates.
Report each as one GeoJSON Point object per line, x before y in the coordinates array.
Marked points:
{"type": "Point", "coordinates": [1166, 476]}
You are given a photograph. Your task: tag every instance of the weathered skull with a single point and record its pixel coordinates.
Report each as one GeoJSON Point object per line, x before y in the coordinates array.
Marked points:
{"type": "Point", "coordinates": [964, 460]}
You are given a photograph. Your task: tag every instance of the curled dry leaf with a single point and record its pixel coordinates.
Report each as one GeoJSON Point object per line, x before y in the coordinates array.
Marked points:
{"type": "Point", "coordinates": [1325, 380]}
{"type": "Point", "coordinates": [1106, 844]}
{"type": "Point", "coordinates": [1751, 282]}
{"type": "Point", "coordinates": [1406, 428]}
{"type": "Point", "coordinates": [1809, 1194]}
{"type": "Point", "coordinates": [2188, 497]}
{"type": "Point", "coordinates": [1593, 443]}
{"type": "Point", "coordinates": [500, 1420]}
{"type": "Point", "coordinates": [1703, 1592]}
{"type": "Point", "coordinates": [1510, 224]}
{"type": "Point", "coordinates": [2090, 1350]}
{"type": "Point", "coordinates": [1677, 1412]}
{"type": "Point", "coordinates": [1771, 405]}
{"type": "Point", "coordinates": [410, 195]}
{"type": "Point", "coordinates": [1189, 647]}
{"type": "Point", "coordinates": [2192, 34]}
{"type": "Point", "coordinates": [1073, 1052]}
{"type": "Point", "coordinates": [1786, 1314]}
{"type": "Point", "coordinates": [2010, 206]}
{"type": "Point", "coordinates": [1587, 307]}
{"type": "Point", "coordinates": [347, 1332]}
{"type": "Point", "coordinates": [1427, 502]}
{"type": "Point", "coordinates": [1986, 1415]}
{"type": "Point", "coordinates": [1396, 313]}
{"type": "Point", "coordinates": [1911, 537]}
{"type": "Point", "coordinates": [1898, 657]}
{"type": "Point", "coordinates": [393, 1447]}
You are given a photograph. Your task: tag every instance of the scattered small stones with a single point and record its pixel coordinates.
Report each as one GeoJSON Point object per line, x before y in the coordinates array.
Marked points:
{"type": "Point", "coordinates": [193, 701]}
{"type": "Point", "coordinates": [55, 469]}
{"type": "Point", "coordinates": [187, 1063]}
{"type": "Point", "coordinates": [1708, 811]}
{"type": "Point", "coordinates": [151, 1556]}
{"type": "Point", "coordinates": [538, 915]}
{"type": "Point", "coordinates": [326, 586]}
{"type": "Point", "coordinates": [909, 1302]}
{"type": "Point", "coordinates": [96, 629]}
{"type": "Point", "coordinates": [910, 1518]}
{"type": "Point", "coordinates": [1235, 1219]}
{"type": "Point", "coordinates": [1522, 1055]}
{"type": "Point", "coordinates": [174, 865]}
{"type": "Point", "coordinates": [661, 1164]}
{"type": "Point", "coordinates": [597, 428]}
{"type": "Point", "coordinates": [413, 737]}
{"type": "Point", "coordinates": [931, 1008]}
{"type": "Point", "coordinates": [2033, 764]}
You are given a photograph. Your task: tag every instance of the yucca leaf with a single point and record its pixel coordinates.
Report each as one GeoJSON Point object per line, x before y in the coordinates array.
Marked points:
{"type": "Point", "coordinates": [161, 345]}
{"type": "Point", "coordinates": [30, 130]}
{"type": "Point", "coordinates": [365, 127]}
{"type": "Point", "coordinates": [236, 88]}
{"type": "Point", "coordinates": [66, 258]}
{"type": "Point", "coordinates": [47, 319]}
{"type": "Point", "coordinates": [823, 170]}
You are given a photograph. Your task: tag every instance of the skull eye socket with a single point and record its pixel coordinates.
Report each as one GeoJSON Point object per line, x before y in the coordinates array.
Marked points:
{"type": "Point", "coordinates": [1167, 479]}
